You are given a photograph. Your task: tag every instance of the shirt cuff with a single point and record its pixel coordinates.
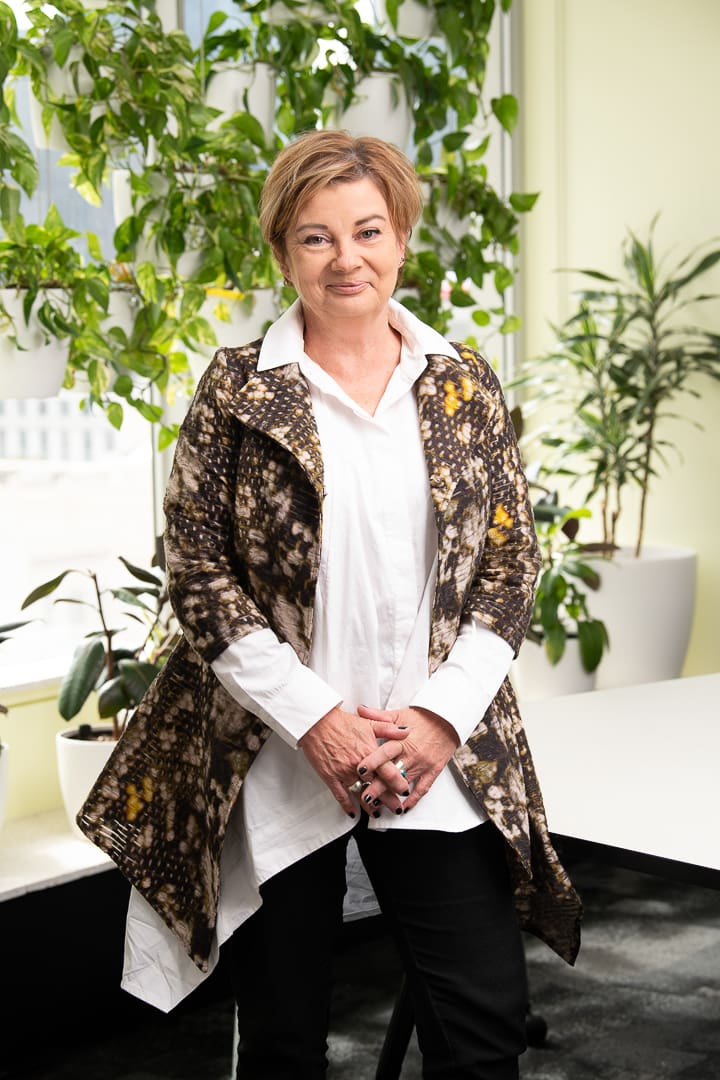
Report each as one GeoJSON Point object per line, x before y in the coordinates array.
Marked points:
{"type": "Point", "coordinates": [463, 687]}
{"type": "Point", "coordinates": [265, 676]}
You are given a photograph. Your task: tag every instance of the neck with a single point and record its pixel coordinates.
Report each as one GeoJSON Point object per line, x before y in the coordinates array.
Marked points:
{"type": "Point", "coordinates": [360, 359]}
{"type": "Point", "coordinates": [348, 345]}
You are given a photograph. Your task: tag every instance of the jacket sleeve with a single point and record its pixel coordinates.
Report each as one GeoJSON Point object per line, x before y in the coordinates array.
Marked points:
{"type": "Point", "coordinates": [503, 588]}
{"type": "Point", "coordinates": [205, 579]}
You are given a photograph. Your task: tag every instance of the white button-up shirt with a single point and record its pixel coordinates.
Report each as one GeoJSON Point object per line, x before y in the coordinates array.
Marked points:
{"type": "Point", "coordinates": [370, 645]}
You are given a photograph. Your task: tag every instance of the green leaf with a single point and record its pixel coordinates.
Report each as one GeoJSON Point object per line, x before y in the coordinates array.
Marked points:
{"type": "Point", "coordinates": [141, 574]}
{"type": "Point", "coordinates": [454, 140]}
{"type": "Point", "coordinates": [555, 638]}
{"type": "Point", "coordinates": [44, 590]}
{"type": "Point", "coordinates": [505, 109]}
{"type": "Point", "coordinates": [81, 677]}
{"type": "Point", "coordinates": [62, 44]}
{"type": "Point", "coordinates": [591, 639]}
{"type": "Point", "coordinates": [113, 698]}
{"type": "Point", "coordinates": [523, 202]}
{"type": "Point", "coordinates": [511, 324]}
{"type": "Point", "coordinates": [137, 676]}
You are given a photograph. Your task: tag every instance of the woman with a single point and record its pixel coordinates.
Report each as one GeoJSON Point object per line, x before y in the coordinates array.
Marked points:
{"type": "Point", "coordinates": [352, 558]}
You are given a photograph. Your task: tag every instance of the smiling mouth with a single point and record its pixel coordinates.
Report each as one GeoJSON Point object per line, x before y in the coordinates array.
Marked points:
{"type": "Point", "coordinates": [348, 287]}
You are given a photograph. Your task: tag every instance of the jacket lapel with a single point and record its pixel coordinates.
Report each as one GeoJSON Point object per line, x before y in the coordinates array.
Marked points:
{"type": "Point", "coordinates": [278, 404]}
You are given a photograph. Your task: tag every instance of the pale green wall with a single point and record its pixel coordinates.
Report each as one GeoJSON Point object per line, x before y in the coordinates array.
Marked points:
{"type": "Point", "coordinates": [619, 106]}
{"type": "Point", "coordinates": [29, 731]}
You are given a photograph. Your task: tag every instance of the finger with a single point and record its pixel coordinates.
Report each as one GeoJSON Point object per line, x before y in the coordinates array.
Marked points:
{"type": "Point", "coordinates": [386, 729]}
{"type": "Point", "coordinates": [420, 787]}
{"type": "Point", "coordinates": [344, 798]}
{"type": "Point", "coordinates": [376, 798]}
{"type": "Point", "coordinates": [391, 716]}
{"type": "Point", "coordinates": [379, 757]}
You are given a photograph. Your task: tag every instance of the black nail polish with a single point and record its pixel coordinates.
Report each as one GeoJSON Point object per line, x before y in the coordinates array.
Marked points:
{"type": "Point", "coordinates": [376, 802]}
{"type": "Point", "coordinates": [405, 793]}
{"type": "Point", "coordinates": [350, 814]}
{"type": "Point", "coordinates": [402, 727]}
{"type": "Point", "coordinates": [367, 798]}
{"type": "Point", "coordinates": [376, 813]}
{"type": "Point", "coordinates": [399, 810]}
{"type": "Point", "coordinates": [362, 770]}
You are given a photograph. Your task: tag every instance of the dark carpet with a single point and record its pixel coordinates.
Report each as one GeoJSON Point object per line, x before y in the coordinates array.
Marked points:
{"type": "Point", "coordinates": [643, 1002]}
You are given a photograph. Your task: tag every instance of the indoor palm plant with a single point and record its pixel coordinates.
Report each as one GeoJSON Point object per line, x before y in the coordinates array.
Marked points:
{"type": "Point", "coordinates": [621, 364]}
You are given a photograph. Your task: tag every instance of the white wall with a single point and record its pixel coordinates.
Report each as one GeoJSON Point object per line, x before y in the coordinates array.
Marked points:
{"type": "Point", "coordinates": [619, 104]}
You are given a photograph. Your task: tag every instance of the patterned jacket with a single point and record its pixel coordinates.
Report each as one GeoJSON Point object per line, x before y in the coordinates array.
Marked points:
{"type": "Point", "coordinates": [244, 517]}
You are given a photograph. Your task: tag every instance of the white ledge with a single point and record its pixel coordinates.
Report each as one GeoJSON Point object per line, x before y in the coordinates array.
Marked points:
{"type": "Point", "coordinates": [41, 851]}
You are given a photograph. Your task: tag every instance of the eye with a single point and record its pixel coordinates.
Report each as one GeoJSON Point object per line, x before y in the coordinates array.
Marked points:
{"type": "Point", "coordinates": [369, 234]}
{"type": "Point", "coordinates": [314, 240]}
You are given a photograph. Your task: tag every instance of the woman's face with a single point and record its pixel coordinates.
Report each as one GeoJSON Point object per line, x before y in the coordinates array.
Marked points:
{"type": "Point", "coordinates": [342, 254]}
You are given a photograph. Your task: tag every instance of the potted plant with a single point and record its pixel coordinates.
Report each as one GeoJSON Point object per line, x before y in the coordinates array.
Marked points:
{"type": "Point", "coordinates": [564, 643]}
{"type": "Point", "coordinates": [622, 361]}
{"type": "Point", "coordinates": [116, 674]}
{"type": "Point", "coordinates": [44, 284]}
{"type": "Point", "coordinates": [192, 172]}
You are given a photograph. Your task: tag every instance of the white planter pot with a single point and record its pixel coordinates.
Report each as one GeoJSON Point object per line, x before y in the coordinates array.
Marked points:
{"type": "Point", "coordinates": [147, 249]}
{"type": "Point", "coordinates": [3, 780]}
{"type": "Point", "coordinates": [33, 365]}
{"type": "Point", "coordinates": [415, 20]}
{"type": "Point", "coordinates": [79, 763]}
{"type": "Point", "coordinates": [62, 86]}
{"type": "Point", "coordinates": [278, 13]}
{"type": "Point", "coordinates": [228, 86]}
{"type": "Point", "coordinates": [245, 324]}
{"type": "Point", "coordinates": [381, 109]}
{"type": "Point", "coordinates": [536, 679]}
{"type": "Point", "coordinates": [647, 605]}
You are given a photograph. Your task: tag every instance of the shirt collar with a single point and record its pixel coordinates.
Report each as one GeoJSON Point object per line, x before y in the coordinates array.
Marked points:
{"type": "Point", "coordinates": [283, 343]}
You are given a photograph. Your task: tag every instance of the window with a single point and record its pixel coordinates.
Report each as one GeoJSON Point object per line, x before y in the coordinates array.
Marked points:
{"type": "Point", "coordinates": [73, 492]}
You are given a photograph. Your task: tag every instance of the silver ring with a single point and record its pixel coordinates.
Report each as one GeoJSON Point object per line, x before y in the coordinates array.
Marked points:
{"type": "Point", "coordinates": [356, 788]}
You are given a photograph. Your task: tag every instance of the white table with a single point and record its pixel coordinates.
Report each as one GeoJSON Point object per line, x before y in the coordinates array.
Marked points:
{"type": "Point", "coordinates": [635, 772]}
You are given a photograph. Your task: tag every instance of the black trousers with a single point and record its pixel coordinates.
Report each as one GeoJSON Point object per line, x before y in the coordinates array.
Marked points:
{"type": "Point", "coordinates": [447, 901]}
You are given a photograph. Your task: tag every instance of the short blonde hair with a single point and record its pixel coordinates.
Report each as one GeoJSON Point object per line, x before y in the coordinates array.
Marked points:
{"type": "Point", "coordinates": [318, 158]}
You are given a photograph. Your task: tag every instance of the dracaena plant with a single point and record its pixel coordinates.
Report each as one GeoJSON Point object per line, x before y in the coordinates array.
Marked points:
{"type": "Point", "coordinates": [118, 674]}
{"type": "Point", "coordinates": [621, 363]}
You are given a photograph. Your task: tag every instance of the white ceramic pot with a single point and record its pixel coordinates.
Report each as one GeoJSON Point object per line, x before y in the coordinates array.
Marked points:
{"type": "Point", "coordinates": [647, 605]}
{"type": "Point", "coordinates": [278, 13]}
{"type": "Point", "coordinates": [64, 86]}
{"type": "Point", "coordinates": [79, 763]}
{"type": "Point", "coordinates": [228, 86]}
{"type": "Point", "coordinates": [415, 20]}
{"type": "Point", "coordinates": [3, 780]}
{"type": "Point", "coordinates": [33, 365]}
{"type": "Point", "coordinates": [381, 109]}
{"type": "Point", "coordinates": [147, 249]}
{"type": "Point", "coordinates": [245, 323]}
{"type": "Point", "coordinates": [536, 679]}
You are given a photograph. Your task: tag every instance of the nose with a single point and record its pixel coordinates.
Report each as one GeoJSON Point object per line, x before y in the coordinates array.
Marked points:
{"type": "Point", "coordinates": [346, 256]}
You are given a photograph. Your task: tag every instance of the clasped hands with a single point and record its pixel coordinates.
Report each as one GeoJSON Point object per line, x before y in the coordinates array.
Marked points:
{"type": "Point", "coordinates": [343, 747]}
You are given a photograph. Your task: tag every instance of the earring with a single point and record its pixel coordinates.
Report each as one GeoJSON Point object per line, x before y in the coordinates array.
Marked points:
{"type": "Point", "coordinates": [402, 261]}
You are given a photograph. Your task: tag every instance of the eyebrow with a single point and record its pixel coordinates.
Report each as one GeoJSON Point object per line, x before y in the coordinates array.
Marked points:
{"type": "Point", "coordinates": [356, 224]}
